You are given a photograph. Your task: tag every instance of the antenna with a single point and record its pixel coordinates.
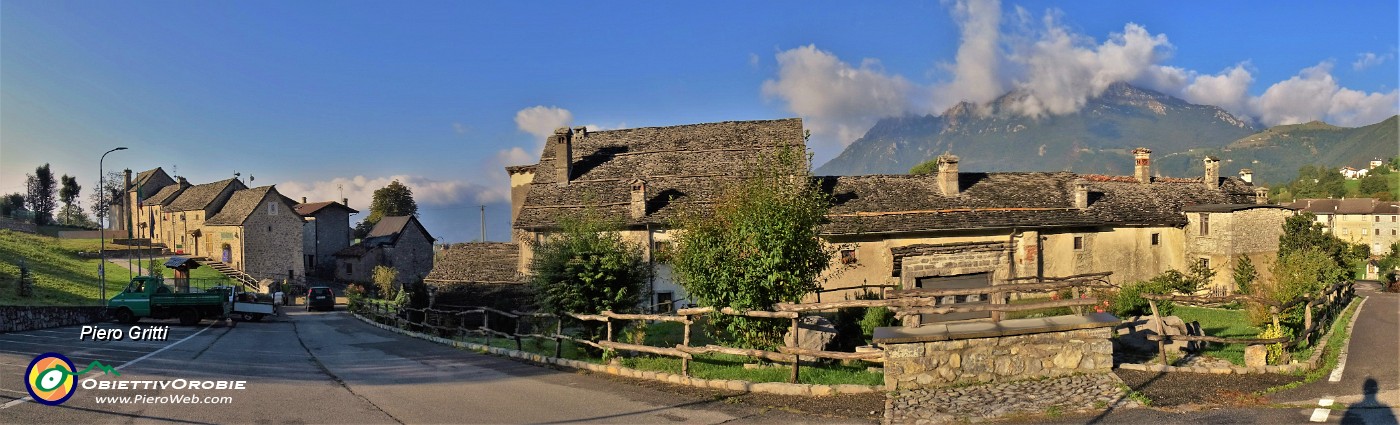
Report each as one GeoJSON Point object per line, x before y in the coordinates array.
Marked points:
{"type": "Point", "coordinates": [483, 223]}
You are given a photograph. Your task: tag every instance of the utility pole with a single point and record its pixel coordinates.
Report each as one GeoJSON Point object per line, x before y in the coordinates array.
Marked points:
{"type": "Point", "coordinates": [483, 223]}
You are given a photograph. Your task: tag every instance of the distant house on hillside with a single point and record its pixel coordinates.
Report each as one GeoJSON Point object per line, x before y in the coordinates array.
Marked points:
{"type": "Point", "coordinates": [1352, 173]}
{"type": "Point", "coordinates": [326, 232]}
{"type": "Point", "coordinates": [259, 232]}
{"type": "Point", "coordinates": [1367, 221]}
{"type": "Point", "coordinates": [400, 242]}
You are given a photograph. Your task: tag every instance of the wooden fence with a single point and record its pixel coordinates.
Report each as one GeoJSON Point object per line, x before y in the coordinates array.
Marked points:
{"type": "Point", "coordinates": [1332, 299]}
{"type": "Point", "coordinates": [905, 303]}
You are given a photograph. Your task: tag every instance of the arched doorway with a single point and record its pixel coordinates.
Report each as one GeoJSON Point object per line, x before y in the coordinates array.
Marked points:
{"type": "Point", "coordinates": [228, 254]}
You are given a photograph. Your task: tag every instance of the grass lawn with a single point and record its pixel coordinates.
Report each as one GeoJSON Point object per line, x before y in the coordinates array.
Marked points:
{"type": "Point", "coordinates": [1221, 323]}
{"type": "Point", "coordinates": [60, 276]}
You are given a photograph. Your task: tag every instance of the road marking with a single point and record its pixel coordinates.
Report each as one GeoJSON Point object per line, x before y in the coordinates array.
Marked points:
{"type": "Point", "coordinates": [18, 401]}
{"type": "Point", "coordinates": [1320, 414]}
{"type": "Point", "coordinates": [1336, 375]}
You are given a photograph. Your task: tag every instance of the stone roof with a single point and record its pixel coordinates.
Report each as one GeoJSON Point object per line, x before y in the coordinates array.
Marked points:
{"type": "Point", "coordinates": [239, 206]}
{"type": "Point", "coordinates": [385, 232]}
{"type": "Point", "coordinates": [1228, 208]}
{"type": "Point", "coordinates": [310, 209]}
{"type": "Point", "coordinates": [477, 262]}
{"type": "Point", "coordinates": [1345, 206]}
{"type": "Point", "coordinates": [198, 197]}
{"type": "Point", "coordinates": [164, 196]}
{"type": "Point", "coordinates": [143, 176]}
{"type": "Point", "coordinates": [908, 203]}
{"type": "Point", "coordinates": [517, 169]}
{"type": "Point", "coordinates": [682, 165]}
{"type": "Point", "coordinates": [1387, 208]}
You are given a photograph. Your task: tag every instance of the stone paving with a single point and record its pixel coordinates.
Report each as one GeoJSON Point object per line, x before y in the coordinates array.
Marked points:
{"type": "Point", "coordinates": [985, 402]}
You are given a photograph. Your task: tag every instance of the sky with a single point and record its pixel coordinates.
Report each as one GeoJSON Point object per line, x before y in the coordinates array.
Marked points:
{"type": "Point", "coordinates": [336, 99]}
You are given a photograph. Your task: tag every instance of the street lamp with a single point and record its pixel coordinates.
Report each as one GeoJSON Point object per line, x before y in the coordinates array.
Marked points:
{"type": "Point", "coordinates": [101, 234]}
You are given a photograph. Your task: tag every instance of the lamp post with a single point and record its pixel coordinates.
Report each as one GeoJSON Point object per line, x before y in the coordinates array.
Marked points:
{"type": "Point", "coordinates": [102, 234]}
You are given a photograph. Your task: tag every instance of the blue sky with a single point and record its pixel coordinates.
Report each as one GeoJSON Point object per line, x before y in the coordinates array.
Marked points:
{"type": "Point", "coordinates": [310, 95]}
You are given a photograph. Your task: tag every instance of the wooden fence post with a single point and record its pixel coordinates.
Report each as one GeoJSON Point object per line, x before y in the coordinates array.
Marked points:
{"type": "Point", "coordinates": [685, 340]}
{"type": "Point", "coordinates": [1075, 293]}
{"type": "Point", "coordinates": [486, 326]}
{"type": "Point", "coordinates": [558, 336]}
{"type": "Point", "coordinates": [1161, 331]}
{"type": "Point", "coordinates": [518, 345]}
{"type": "Point", "coordinates": [796, 360]}
{"type": "Point", "coordinates": [608, 320]}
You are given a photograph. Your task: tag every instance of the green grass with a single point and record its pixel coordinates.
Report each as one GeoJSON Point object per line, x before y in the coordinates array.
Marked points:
{"type": "Point", "coordinates": [1221, 323]}
{"type": "Point", "coordinates": [60, 276]}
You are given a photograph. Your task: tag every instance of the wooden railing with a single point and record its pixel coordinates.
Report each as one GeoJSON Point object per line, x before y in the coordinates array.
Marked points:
{"type": "Point", "coordinates": [1332, 299]}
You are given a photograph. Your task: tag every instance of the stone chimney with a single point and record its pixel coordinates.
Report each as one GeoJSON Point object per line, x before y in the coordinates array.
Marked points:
{"type": "Point", "coordinates": [948, 174]}
{"type": "Point", "coordinates": [638, 205]}
{"type": "Point", "coordinates": [303, 199]}
{"type": "Point", "coordinates": [1247, 175]}
{"type": "Point", "coordinates": [1212, 177]}
{"type": "Point", "coordinates": [345, 202]}
{"type": "Point", "coordinates": [1081, 194]}
{"type": "Point", "coordinates": [183, 183]}
{"type": "Point", "coordinates": [1261, 195]}
{"type": "Point", "coordinates": [126, 175]}
{"type": "Point", "coordinates": [1142, 165]}
{"type": "Point", "coordinates": [563, 145]}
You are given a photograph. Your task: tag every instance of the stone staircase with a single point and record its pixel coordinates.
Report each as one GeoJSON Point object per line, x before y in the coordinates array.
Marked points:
{"type": "Point", "coordinates": [249, 283]}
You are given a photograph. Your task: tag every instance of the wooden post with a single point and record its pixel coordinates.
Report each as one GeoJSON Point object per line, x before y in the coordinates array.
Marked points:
{"type": "Point", "coordinates": [558, 338]}
{"type": "Point", "coordinates": [1307, 320]}
{"type": "Point", "coordinates": [1075, 293]}
{"type": "Point", "coordinates": [518, 345]}
{"type": "Point", "coordinates": [486, 326]}
{"type": "Point", "coordinates": [685, 340]}
{"type": "Point", "coordinates": [610, 330]}
{"type": "Point", "coordinates": [796, 360]}
{"type": "Point", "coordinates": [1161, 331]}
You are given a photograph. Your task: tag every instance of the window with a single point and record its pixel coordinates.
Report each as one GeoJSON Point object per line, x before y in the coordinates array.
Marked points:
{"type": "Point", "coordinates": [1205, 263]}
{"type": "Point", "coordinates": [1378, 219]}
{"type": "Point", "coordinates": [1156, 238]}
{"type": "Point", "coordinates": [1378, 232]}
{"type": "Point", "coordinates": [848, 256]}
{"type": "Point", "coordinates": [1392, 219]}
{"type": "Point", "coordinates": [663, 301]}
{"type": "Point", "coordinates": [272, 208]}
{"type": "Point", "coordinates": [1392, 232]}
{"type": "Point", "coordinates": [661, 251]}
{"type": "Point", "coordinates": [1205, 224]}
{"type": "Point", "coordinates": [1078, 243]}
{"type": "Point", "coordinates": [1346, 231]}
{"type": "Point", "coordinates": [349, 268]}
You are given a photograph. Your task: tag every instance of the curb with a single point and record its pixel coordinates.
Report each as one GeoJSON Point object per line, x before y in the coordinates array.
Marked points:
{"type": "Point", "coordinates": [1313, 361]}
{"type": "Point", "coordinates": [779, 388]}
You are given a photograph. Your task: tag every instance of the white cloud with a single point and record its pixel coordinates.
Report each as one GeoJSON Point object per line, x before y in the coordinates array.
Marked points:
{"type": "Point", "coordinates": [459, 128]}
{"type": "Point", "coordinates": [1314, 94]}
{"type": "Point", "coordinates": [600, 127]}
{"type": "Point", "coordinates": [1368, 59]}
{"type": "Point", "coordinates": [976, 75]}
{"type": "Point", "coordinates": [838, 101]}
{"type": "Point", "coordinates": [753, 60]}
{"type": "Point", "coordinates": [541, 121]}
{"type": "Point", "coordinates": [514, 156]}
{"type": "Point", "coordinates": [1061, 70]}
{"type": "Point", "coordinates": [427, 192]}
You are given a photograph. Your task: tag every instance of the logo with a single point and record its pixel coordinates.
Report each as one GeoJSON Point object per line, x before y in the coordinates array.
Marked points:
{"type": "Point", "coordinates": [50, 378]}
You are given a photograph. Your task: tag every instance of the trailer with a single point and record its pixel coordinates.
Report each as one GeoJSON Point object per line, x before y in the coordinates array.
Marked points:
{"type": "Point", "coordinates": [149, 296]}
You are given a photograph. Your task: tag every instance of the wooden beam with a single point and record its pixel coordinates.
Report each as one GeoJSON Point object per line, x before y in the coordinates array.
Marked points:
{"type": "Point", "coordinates": [760, 313]}
{"type": "Point", "coordinates": [766, 355]}
{"type": "Point", "coordinates": [645, 349]}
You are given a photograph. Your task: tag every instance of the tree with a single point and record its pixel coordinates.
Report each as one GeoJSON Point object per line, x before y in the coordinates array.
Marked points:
{"type": "Point", "coordinates": [926, 167]}
{"type": "Point", "coordinates": [10, 204]}
{"type": "Point", "coordinates": [384, 277]}
{"type": "Point", "coordinates": [588, 268]}
{"type": "Point", "coordinates": [1302, 232]}
{"type": "Point", "coordinates": [1316, 181]}
{"type": "Point", "coordinates": [395, 199]}
{"type": "Point", "coordinates": [41, 194]}
{"type": "Point", "coordinates": [108, 190]}
{"type": "Point", "coordinates": [1372, 184]}
{"type": "Point", "coordinates": [71, 214]}
{"type": "Point", "coordinates": [757, 246]}
{"type": "Point", "coordinates": [1244, 275]}
{"type": "Point", "coordinates": [1388, 263]}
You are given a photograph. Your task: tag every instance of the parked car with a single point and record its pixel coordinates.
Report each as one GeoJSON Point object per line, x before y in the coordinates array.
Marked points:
{"type": "Point", "coordinates": [320, 298]}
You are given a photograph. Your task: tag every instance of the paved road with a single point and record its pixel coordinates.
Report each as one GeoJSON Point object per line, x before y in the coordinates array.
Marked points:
{"type": "Point", "coordinates": [331, 368]}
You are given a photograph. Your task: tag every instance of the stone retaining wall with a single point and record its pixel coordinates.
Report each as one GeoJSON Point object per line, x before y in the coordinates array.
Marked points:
{"type": "Point", "coordinates": [781, 388]}
{"type": "Point", "coordinates": [936, 364]}
{"type": "Point", "coordinates": [22, 318]}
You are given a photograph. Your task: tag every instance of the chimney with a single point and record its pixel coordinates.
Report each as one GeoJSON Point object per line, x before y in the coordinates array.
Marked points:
{"type": "Point", "coordinates": [1261, 195]}
{"type": "Point", "coordinates": [948, 174]}
{"type": "Point", "coordinates": [639, 199]}
{"type": "Point", "coordinates": [1142, 168]}
{"type": "Point", "coordinates": [563, 146]}
{"type": "Point", "coordinates": [1212, 177]}
{"type": "Point", "coordinates": [303, 199]}
{"type": "Point", "coordinates": [345, 202]}
{"type": "Point", "coordinates": [127, 175]}
{"type": "Point", "coordinates": [183, 183]}
{"type": "Point", "coordinates": [1247, 175]}
{"type": "Point", "coordinates": [1081, 194]}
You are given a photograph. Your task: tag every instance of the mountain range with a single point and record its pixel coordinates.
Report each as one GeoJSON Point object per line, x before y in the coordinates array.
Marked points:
{"type": "Point", "coordinates": [1100, 137]}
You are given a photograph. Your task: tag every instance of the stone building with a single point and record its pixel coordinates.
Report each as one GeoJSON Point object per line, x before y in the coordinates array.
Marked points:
{"type": "Point", "coordinates": [643, 176]}
{"type": "Point", "coordinates": [479, 274]}
{"type": "Point", "coordinates": [326, 231]}
{"type": "Point", "coordinates": [400, 242]}
{"type": "Point", "coordinates": [128, 211]}
{"type": "Point", "coordinates": [257, 231]}
{"type": "Point", "coordinates": [1365, 221]}
{"type": "Point", "coordinates": [1218, 235]}
{"type": "Point", "coordinates": [949, 229]}
{"type": "Point", "coordinates": [183, 218]}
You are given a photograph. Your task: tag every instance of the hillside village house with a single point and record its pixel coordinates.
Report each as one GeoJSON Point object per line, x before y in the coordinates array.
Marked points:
{"type": "Point", "coordinates": [1365, 221]}
{"type": "Point", "coordinates": [326, 231]}
{"type": "Point", "coordinates": [400, 242]}
{"type": "Point", "coordinates": [949, 229]}
{"type": "Point", "coordinates": [256, 231]}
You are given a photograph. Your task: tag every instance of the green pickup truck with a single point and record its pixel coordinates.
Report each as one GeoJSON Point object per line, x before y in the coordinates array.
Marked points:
{"type": "Point", "coordinates": [149, 296]}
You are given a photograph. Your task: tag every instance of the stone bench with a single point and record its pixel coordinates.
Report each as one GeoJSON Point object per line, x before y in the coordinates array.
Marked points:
{"type": "Point", "coordinates": [944, 355]}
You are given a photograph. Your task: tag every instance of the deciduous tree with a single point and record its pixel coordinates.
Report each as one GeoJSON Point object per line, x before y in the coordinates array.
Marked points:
{"type": "Point", "coordinates": [41, 194]}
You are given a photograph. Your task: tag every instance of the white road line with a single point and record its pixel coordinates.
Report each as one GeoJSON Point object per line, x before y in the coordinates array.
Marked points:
{"type": "Point", "coordinates": [123, 365]}
{"type": "Point", "coordinates": [1336, 375]}
{"type": "Point", "coordinates": [1320, 414]}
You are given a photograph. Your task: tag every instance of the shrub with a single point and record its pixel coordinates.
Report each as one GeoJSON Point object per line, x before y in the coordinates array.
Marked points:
{"type": "Point", "coordinates": [588, 268]}
{"type": "Point", "coordinates": [384, 280]}
{"type": "Point", "coordinates": [1129, 301]}
{"type": "Point", "coordinates": [1276, 352]}
{"type": "Point", "coordinates": [876, 317]}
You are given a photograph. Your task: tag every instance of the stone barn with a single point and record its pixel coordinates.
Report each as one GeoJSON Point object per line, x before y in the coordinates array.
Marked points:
{"type": "Point", "coordinates": [479, 274]}
{"type": "Point", "coordinates": [400, 242]}
{"type": "Point", "coordinates": [326, 232]}
{"type": "Point", "coordinates": [258, 231]}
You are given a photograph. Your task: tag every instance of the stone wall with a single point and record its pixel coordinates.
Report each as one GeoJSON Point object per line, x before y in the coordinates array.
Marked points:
{"type": "Point", "coordinates": [937, 364]}
{"type": "Point", "coordinates": [1251, 232]}
{"type": "Point", "coordinates": [18, 225]}
{"type": "Point", "coordinates": [411, 255]}
{"type": "Point", "coordinates": [272, 245]}
{"type": "Point", "coordinates": [21, 318]}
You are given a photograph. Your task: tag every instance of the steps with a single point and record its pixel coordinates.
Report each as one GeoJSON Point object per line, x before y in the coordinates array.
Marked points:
{"type": "Point", "coordinates": [249, 283]}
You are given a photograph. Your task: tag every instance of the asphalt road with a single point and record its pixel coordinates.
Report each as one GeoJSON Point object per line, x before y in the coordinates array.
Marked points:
{"type": "Point", "coordinates": [331, 368]}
